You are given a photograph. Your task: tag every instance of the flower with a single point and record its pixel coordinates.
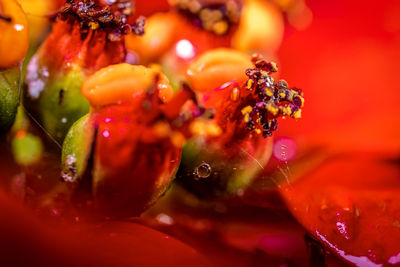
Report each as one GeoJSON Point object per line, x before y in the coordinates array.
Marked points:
{"type": "Point", "coordinates": [341, 185]}
{"type": "Point", "coordinates": [246, 103]}
{"type": "Point", "coordinates": [125, 243]}
{"type": "Point", "coordinates": [128, 148]}
{"type": "Point", "coordinates": [86, 36]}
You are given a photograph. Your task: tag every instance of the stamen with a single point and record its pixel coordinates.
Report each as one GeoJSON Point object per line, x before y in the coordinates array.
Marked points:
{"type": "Point", "coordinates": [268, 100]}
{"type": "Point", "coordinates": [110, 17]}
{"type": "Point", "coordinates": [217, 18]}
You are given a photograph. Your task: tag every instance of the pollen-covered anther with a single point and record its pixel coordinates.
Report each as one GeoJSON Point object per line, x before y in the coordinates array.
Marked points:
{"type": "Point", "coordinates": [217, 18]}
{"type": "Point", "coordinates": [272, 99]}
{"type": "Point", "coordinates": [110, 17]}
{"type": "Point", "coordinates": [247, 110]}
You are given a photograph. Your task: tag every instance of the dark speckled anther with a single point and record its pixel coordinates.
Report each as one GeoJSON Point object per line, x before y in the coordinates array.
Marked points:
{"type": "Point", "coordinates": [273, 99]}
{"type": "Point", "coordinates": [112, 18]}
{"type": "Point", "coordinates": [212, 15]}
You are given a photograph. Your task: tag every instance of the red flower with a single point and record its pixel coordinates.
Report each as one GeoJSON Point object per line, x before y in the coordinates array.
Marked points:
{"type": "Point", "coordinates": [86, 36]}
{"type": "Point", "coordinates": [246, 103]}
{"type": "Point", "coordinates": [130, 143]}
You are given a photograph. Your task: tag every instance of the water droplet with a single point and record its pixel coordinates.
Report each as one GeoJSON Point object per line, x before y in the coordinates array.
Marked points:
{"type": "Point", "coordinates": [106, 134]}
{"type": "Point", "coordinates": [108, 120]}
{"type": "Point", "coordinates": [285, 149]}
{"type": "Point", "coordinates": [344, 221]}
{"type": "Point", "coordinates": [346, 224]}
{"type": "Point", "coordinates": [203, 171]}
{"type": "Point", "coordinates": [165, 219]}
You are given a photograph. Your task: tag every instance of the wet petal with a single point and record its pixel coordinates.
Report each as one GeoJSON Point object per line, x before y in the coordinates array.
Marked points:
{"type": "Point", "coordinates": [351, 204]}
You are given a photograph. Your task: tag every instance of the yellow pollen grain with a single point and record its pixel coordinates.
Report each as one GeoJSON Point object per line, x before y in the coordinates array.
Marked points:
{"type": "Point", "coordinates": [282, 95]}
{"type": "Point", "coordinates": [273, 110]}
{"type": "Point", "coordinates": [258, 131]}
{"type": "Point", "coordinates": [93, 25]}
{"type": "Point", "coordinates": [269, 92]}
{"type": "Point", "coordinates": [297, 114]}
{"type": "Point", "coordinates": [274, 67]}
{"type": "Point", "coordinates": [287, 110]}
{"type": "Point", "coordinates": [246, 118]}
{"type": "Point", "coordinates": [249, 84]}
{"type": "Point", "coordinates": [247, 110]}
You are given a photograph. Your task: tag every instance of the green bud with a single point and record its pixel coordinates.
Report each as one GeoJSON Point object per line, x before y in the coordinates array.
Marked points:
{"type": "Point", "coordinates": [60, 103]}
{"type": "Point", "coordinates": [9, 96]}
{"type": "Point", "coordinates": [27, 148]}
{"type": "Point", "coordinates": [210, 170]}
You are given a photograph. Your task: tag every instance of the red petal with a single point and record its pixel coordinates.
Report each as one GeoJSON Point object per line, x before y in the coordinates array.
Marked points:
{"type": "Point", "coordinates": [347, 64]}
{"type": "Point", "coordinates": [352, 204]}
{"type": "Point", "coordinates": [27, 241]}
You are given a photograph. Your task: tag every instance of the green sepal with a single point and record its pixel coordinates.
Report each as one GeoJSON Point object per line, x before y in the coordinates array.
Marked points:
{"type": "Point", "coordinates": [233, 169]}
{"type": "Point", "coordinates": [77, 148]}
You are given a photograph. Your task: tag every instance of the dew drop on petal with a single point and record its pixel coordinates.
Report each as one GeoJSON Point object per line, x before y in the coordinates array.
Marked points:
{"type": "Point", "coordinates": [346, 224]}
{"type": "Point", "coordinates": [202, 171]}
{"type": "Point", "coordinates": [285, 148]}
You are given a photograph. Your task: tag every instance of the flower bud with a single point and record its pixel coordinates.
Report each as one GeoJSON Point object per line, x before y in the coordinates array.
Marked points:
{"type": "Point", "coordinates": [128, 147]}
{"type": "Point", "coordinates": [86, 36]}
{"type": "Point", "coordinates": [246, 111]}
